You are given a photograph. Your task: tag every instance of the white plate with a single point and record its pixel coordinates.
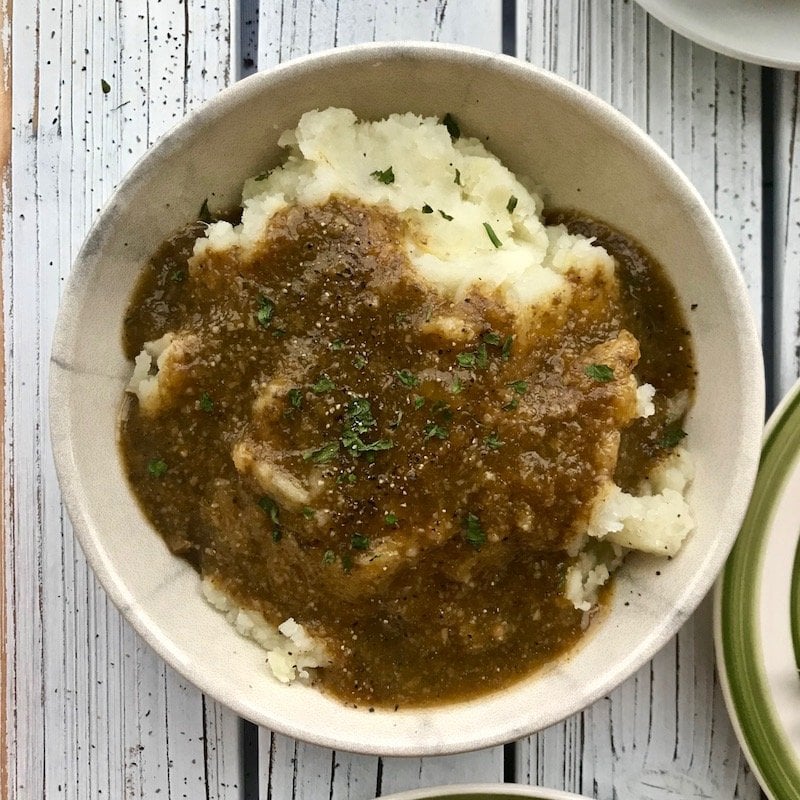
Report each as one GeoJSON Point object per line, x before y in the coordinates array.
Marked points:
{"type": "Point", "coordinates": [757, 613]}
{"type": "Point", "coordinates": [764, 31]}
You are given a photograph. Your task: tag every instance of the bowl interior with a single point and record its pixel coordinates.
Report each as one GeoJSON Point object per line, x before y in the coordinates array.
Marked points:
{"type": "Point", "coordinates": [588, 157]}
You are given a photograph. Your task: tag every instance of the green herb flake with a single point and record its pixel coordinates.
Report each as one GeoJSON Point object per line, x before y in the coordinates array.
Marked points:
{"type": "Point", "coordinates": [347, 563]}
{"type": "Point", "coordinates": [179, 276]}
{"type": "Point", "coordinates": [671, 438]}
{"type": "Point", "coordinates": [512, 204]}
{"type": "Point", "coordinates": [384, 175]}
{"type": "Point", "coordinates": [359, 542]}
{"type": "Point", "coordinates": [452, 126]}
{"type": "Point", "coordinates": [354, 443]}
{"type": "Point", "coordinates": [206, 403]}
{"type": "Point", "coordinates": [359, 362]}
{"type": "Point", "coordinates": [347, 477]}
{"type": "Point", "coordinates": [407, 378]}
{"type": "Point", "coordinates": [520, 387]}
{"type": "Point", "coordinates": [481, 356]}
{"type": "Point", "coordinates": [456, 387]}
{"type": "Point", "coordinates": [261, 177]}
{"type": "Point", "coordinates": [426, 209]}
{"type": "Point", "coordinates": [445, 216]}
{"type": "Point", "coordinates": [494, 339]}
{"type": "Point", "coordinates": [323, 385]}
{"type": "Point", "coordinates": [508, 343]}
{"type": "Point", "coordinates": [512, 405]}
{"type": "Point", "coordinates": [277, 535]}
{"type": "Point", "coordinates": [295, 398]}
{"type": "Point", "coordinates": [205, 214]}
{"type": "Point", "coordinates": [270, 507]}
{"type": "Point", "coordinates": [466, 360]}
{"type": "Point", "coordinates": [157, 467]}
{"type": "Point", "coordinates": [599, 372]}
{"type": "Point", "coordinates": [337, 344]}
{"type": "Point", "coordinates": [266, 310]}
{"type": "Point", "coordinates": [434, 431]}
{"type": "Point", "coordinates": [308, 513]}
{"type": "Point", "coordinates": [457, 180]}
{"type": "Point", "coordinates": [358, 415]}
{"type": "Point", "coordinates": [322, 455]}
{"type": "Point", "coordinates": [105, 85]}
{"type": "Point", "coordinates": [418, 402]}
{"type": "Point", "coordinates": [473, 532]}
{"type": "Point", "coordinates": [390, 519]}
{"type": "Point", "coordinates": [328, 558]}
{"type": "Point", "coordinates": [492, 235]}
{"type": "Point", "coordinates": [493, 442]}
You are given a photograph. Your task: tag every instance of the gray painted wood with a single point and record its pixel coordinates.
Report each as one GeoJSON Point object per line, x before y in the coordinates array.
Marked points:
{"type": "Point", "coordinates": [665, 732]}
{"type": "Point", "coordinates": [94, 713]}
{"type": "Point", "coordinates": [787, 231]}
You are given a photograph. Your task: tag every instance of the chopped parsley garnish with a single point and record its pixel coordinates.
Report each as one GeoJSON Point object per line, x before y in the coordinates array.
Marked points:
{"type": "Point", "coordinates": [206, 403]}
{"type": "Point", "coordinates": [322, 455]}
{"type": "Point", "coordinates": [434, 431]}
{"type": "Point", "coordinates": [473, 532]}
{"type": "Point", "coordinates": [270, 507]}
{"type": "Point", "coordinates": [493, 442]}
{"type": "Point", "coordinates": [466, 360]}
{"type": "Point", "coordinates": [359, 542]}
{"type": "Point", "coordinates": [493, 339]}
{"type": "Point", "coordinates": [295, 398]}
{"type": "Point", "coordinates": [508, 343]}
{"type": "Point", "coordinates": [359, 362]}
{"type": "Point", "coordinates": [481, 356]}
{"type": "Point", "coordinates": [671, 438]}
{"type": "Point", "coordinates": [511, 405]}
{"type": "Point", "coordinates": [105, 85]}
{"type": "Point", "coordinates": [307, 512]}
{"type": "Point", "coordinates": [390, 519]}
{"type": "Point", "coordinates": [457, 181]}
{"type": "Point", "coordinates": [599, 372]}
{"type": "Point", "coordinates": [520, 387]}
{"type": "Point", "coordinates": [492, 235]}
{"type": "Point", "coordinates": [157, 467]}
{"type": "Point", "coordinates": [358, 415]}
{"type": "Point", "coordinates": [443, 410]}
{"type": "Point", "coordinates": [456, 387]}
{"type": "Point", "coordinates": [426, 209]}
{"type": "Point", "coordinates": [384, 175]}
{"type": "Point", "coordinates": [347, 562]}
{"type": "Point", "coordinates": [445, 216]}
{"type": "Point", "coordinates": [452, 126]}
{"type": "Point", "coordinates": [323, 385]}
{"type": "Point", "coordinates": [328, 557]}
{"type": "Point", "coordinates": [418, 402]}
{"type": "Point", "coordinates": [179, 276]}
{"type": "Point", "coordinates": [512, 204]}
{"type": "Point", "coordinates": [337, 344]}
{"type": "Point", "coordinates": [355, 444]}
{"type": "Point", "coordinates": [205, 214]}
{"type": "Point", "coordinates": [407, 378]}
{"type": "Point", "coordinates": [346, 477]}
{"type": "Point", "coordinates": [266, 310]}
{"type": "Point", "coordinates": [277, 535]}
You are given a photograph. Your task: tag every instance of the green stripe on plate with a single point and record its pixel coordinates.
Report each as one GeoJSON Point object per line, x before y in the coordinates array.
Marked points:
{"type": "Point", "coordinates": [795, 606]}
{"type": "Point", "coordinates": [771, 752]}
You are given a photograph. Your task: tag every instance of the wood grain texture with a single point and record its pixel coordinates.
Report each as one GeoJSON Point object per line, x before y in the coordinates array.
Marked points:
{"type": "Point", "coordinates": [93, 712]}
{"type": "Point", "coordinates": [787, 231]}
{"type": "Point", "coordinates": [290, 769]}
{"type": "Point", "coordinates": [665, 732]}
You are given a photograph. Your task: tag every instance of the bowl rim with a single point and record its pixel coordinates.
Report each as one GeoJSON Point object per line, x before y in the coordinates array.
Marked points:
{"type": "Point", "coordinates": [66, 330]}
{"type": "Point", "coordinates": [484, 791]}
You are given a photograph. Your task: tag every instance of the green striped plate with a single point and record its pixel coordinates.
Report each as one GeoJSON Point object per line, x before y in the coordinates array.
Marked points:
{"type": "Point", "coordinates": [757, 613]}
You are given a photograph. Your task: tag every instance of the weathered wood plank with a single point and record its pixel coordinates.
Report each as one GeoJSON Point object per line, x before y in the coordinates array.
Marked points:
{"type": "Point", "coordinates": [787, 231]}
{"type": "Point", "coordinates": [96, 713]}
{"type": "Point", "coordinates": [665, 732]}
{"type": "Point", "coordinates": [289, 29]}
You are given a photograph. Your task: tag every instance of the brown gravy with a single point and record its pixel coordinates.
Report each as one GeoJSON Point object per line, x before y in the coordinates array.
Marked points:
{"type": "Point", "coordinates": [443, 477]}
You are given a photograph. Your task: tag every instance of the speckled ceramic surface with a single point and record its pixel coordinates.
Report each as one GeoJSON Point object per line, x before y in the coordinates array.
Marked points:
{"type": "Point", "coordinates": [589, 157]}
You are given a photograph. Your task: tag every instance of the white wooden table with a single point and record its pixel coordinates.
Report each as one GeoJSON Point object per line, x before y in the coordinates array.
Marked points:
{"type": "Point", "coordinates": [87, 86]}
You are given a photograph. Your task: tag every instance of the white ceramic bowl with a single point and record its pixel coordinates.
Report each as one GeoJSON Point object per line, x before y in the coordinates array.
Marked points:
{"type": "Point", "coordinates": [589, 157]}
